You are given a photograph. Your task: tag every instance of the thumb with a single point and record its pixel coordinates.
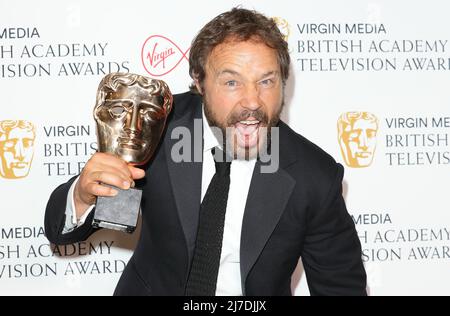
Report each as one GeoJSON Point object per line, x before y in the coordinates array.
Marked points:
{"type": "Point", "coordinates": [136, 173]}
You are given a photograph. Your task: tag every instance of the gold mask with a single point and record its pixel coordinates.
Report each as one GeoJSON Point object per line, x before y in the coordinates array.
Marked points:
{"type": "Point", "coordinates": [16, 148]}
{"type": "Point", "coordinates": [357, 135]}
{"type": "Point", "coordinates": [131, 113]}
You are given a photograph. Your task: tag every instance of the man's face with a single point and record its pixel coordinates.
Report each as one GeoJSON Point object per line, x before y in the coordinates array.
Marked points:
{"type": "Point", "coordinates": [360, 142]}
{"type": "Point", "coordinates": [17, 151]}
{"type": "Point", "coordinates": [130, 123]}
{"type": "Point", "coordinates": [243, 91]}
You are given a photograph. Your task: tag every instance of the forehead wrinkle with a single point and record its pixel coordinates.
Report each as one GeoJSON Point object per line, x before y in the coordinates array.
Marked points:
{"type": "Point", "coordinates": [227, 71]}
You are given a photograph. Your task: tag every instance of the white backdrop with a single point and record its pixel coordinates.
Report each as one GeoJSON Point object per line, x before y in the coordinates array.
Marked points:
{"type": "Point", "coordinates": [388, 58]}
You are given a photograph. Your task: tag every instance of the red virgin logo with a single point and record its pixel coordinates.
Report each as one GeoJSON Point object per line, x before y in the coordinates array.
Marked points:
{"type": "Point", "coordinates": [160, 55]}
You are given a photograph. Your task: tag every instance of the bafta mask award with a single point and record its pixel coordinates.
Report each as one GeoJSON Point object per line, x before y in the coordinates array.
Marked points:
{"type": "Point", "coordinates": [131, 113]}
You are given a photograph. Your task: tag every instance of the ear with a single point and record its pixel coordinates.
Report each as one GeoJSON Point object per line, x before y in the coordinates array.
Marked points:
{"type": "Point", "coordinates": [198, 86]}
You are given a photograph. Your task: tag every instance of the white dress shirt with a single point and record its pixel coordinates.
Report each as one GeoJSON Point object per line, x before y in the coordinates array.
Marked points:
{"type": "Point", "coordinates": [229, 275]}
{"type": "Point", "coordinates": [229, 278]}
{"type": "Point", "coordinates": [71, 215]}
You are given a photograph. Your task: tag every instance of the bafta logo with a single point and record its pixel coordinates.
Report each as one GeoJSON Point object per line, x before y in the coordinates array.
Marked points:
{"type": "Point", "coordinates": [283, 26]}
{"type": "Point", "coordinates": [357, 136]}
{"type": "Point", "coordinates": [16, 148]}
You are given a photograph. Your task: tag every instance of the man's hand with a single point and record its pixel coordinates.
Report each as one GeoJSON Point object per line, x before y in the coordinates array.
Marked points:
{"type": "Point", "coordinates": [102, 169]}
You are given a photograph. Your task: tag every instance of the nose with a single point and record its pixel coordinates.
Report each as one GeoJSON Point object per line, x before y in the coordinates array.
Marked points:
{"type": "Point", "coordinates": [251, 99]}
{"type": "Point", "coordinates": [19, 151]}
{"type": "Point", "coordinates": [363, 141]}
{"type": "Point", "coordinates": [133, 122]}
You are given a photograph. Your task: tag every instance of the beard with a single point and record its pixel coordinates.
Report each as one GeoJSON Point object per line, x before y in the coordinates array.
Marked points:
{"type": "Point", "coordinates": [233, 136]}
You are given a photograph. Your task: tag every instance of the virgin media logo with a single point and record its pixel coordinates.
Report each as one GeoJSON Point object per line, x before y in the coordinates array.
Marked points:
{"type": "Point", "coordinates": [160, 55]}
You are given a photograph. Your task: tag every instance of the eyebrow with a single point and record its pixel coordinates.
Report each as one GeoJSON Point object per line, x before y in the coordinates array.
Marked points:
{"type": "Point", "coordinates": [235, 73]}
{"type": "Point", "coordinates": [269, 73]}
{"type": "Point", "coordinates": [116, 100]}
{"type": "Point", "coordinates": [125, 100]}
{"type": "Point", "coordinates": [154, 107]}
{"type": "Point", "coordinates": [228, 72]}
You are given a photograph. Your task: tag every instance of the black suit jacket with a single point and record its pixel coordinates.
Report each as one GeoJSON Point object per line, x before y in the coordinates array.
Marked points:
{"type": "Point", "coordinates": [295, 212]}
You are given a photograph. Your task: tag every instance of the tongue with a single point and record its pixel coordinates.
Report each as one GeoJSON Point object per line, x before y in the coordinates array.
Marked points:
{"type": "Point", "coordinates": [245, 129]}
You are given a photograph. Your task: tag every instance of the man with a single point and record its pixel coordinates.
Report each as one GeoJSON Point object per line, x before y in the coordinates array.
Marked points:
{"type": "Point", "coordinates": [189, 245]}
{"type": "Point", "coordinates": [16, 148]}
{"type": "Point", "coordinates": [357, 133]}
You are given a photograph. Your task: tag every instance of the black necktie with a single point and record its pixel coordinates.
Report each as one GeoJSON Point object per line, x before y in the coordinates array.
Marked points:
{"type": "Point", "coordinates": [208, 247]}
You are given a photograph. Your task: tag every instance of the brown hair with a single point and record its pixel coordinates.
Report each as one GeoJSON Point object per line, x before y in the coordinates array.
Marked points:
{"type": "Point", "coordinates": [240, 25]}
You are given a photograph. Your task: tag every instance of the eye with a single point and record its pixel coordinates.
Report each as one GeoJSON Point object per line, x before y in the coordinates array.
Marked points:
{"type": "Point", "coordinates": [267, 82]}
{"type": "Point", "coordinates": [9, 145]}
{"type": "Point", "coordinates": [231, 83]}
{"type": "Point", "coordinates": [354, 135]}
{"type": "Point", "coordinates": [151, 114]}
{"type": "Point", "coordinates": [117, 111]}
{"type": "Point", "coordinates": [28, 142]}
{"type": "Point", "coordinates": [371, 133]}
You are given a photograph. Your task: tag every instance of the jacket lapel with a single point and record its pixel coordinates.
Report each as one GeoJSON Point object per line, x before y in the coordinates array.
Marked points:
{"type": "Point", "coordinates": [267, 198]}
{"type": "Point", "coordinates": [186, 177]}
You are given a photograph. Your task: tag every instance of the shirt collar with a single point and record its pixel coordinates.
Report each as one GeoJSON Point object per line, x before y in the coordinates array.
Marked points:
{"type": "Point", "coordinates": [209, 140]}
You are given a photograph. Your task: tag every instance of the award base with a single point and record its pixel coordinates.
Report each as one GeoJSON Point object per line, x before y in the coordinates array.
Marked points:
{"type": "Point", "coordinates": [119, 212]}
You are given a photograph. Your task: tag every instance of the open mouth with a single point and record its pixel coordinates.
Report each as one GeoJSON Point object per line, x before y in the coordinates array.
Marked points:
{"type": "Point", "coordinates": [247, 132]}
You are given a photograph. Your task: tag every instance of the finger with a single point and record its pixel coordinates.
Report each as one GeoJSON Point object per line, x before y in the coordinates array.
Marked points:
{"type": "Point", "coordinates": [136, 173]}
{"type": "Point", "coordinates": [110, 179]}
{"type": "Point", "coordinates": [123, 172]}
{"type": "Point", "coordinates": [95, 175]}
{"type": "Point", "coordinates": [101, 190]}
{"type": "Point", "coordinates": [109, 160]}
